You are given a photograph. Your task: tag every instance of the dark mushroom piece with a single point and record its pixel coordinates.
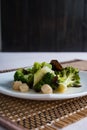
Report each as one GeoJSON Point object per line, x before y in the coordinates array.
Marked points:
{"type": "Point", "coordinates": [56, 65]}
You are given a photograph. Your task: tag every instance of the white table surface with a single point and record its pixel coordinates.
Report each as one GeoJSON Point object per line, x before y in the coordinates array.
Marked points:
{"type": "Point", "coordinates": [17, 60]}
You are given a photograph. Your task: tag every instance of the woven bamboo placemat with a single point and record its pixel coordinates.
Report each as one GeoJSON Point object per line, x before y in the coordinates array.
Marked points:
{"type": "Point", "coordinates": [18, 114]}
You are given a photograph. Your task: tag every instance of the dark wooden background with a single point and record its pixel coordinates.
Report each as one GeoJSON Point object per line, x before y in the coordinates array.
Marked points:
{"type": "Point", "coordinates": [44, 25]}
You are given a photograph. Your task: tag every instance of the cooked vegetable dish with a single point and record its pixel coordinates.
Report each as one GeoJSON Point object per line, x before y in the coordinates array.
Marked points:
{"type": "Point", "coordinates": [46, 78]}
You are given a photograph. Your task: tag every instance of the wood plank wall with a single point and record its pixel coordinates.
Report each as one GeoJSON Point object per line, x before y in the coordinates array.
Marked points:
{"type": "Point", "coordinates": [44, 25]}
{"type": "Point", "coordinates": [0, 25]}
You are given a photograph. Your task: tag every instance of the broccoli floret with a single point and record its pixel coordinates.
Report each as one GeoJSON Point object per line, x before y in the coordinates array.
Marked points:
{"type": "Point", "coordinates": [68, 77]}
{"type": "Point", "coordinates": [24, 76]}
{"type": "Point", "coordinates": [46, 64]}
{"type": "Point", "coordinates": [48, 78]}
{"type": "Point", "coordinates": [37, 66]}
{"type": "Point", "coordinates": [30, 80]}
{"type": "Point", "coordinates": [18, 75]}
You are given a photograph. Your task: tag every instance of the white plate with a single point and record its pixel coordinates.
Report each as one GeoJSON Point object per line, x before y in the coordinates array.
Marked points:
{"type": "Point", "coordinates": [6, 80]}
